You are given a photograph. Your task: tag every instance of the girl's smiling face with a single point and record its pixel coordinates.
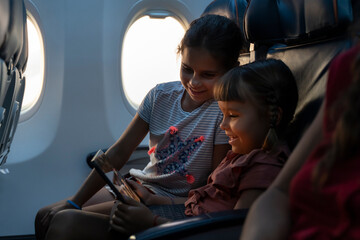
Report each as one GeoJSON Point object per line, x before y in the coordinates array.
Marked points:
{"type": "Point", "coordinates": [244, 125]}
{"type": "Point", "coordinates": [199, 72]}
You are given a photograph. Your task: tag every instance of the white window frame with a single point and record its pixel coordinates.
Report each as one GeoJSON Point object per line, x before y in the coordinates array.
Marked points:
{"type": "Point", "coordinates": [29, 111]}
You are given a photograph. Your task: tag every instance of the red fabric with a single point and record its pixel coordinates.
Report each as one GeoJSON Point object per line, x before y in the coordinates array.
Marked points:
{"type": "Point", "coordinates": [334, 211]}
{"type": "Point", "coordinates": [235, 174]}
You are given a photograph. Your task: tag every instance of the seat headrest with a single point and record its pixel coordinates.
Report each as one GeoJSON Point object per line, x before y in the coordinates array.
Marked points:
{"type": "Point", "coordinates": [232, 9]}
{"type": "Point", "coordinates": [13, 58]}
{"type": "Point", "coordinates": [22, 61]}
{"type": "Point", "coordinates": [4, 20]}
{"type": "Point", "coordinates": [269, 21]}
{"type": "Point", "coordinates": [12, 43]}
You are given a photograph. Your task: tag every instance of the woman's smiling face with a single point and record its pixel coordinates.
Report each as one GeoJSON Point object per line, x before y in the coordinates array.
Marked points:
{"type": "Point", "coordinates": [244, 125]}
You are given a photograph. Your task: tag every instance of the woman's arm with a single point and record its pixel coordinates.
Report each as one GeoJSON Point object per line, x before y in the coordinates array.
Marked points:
{"type": "Point", "coordinates": [269, 217]}
{"type": "Point", "coordinates": [247, 198]}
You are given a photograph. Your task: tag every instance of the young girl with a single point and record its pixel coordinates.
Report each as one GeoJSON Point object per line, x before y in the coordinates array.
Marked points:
{"type": "Point", "coordinates": [182, 161]}
{"type": "Point", "coordinates": [258, 101]}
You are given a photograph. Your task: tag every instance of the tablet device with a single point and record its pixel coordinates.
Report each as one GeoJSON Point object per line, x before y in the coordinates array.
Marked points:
{"type": "Point", "coordinates": [121, 187]}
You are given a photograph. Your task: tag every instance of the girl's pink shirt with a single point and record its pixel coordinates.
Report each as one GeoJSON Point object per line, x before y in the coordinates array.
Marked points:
{"type": "Point", "coordinates": [235, 174]}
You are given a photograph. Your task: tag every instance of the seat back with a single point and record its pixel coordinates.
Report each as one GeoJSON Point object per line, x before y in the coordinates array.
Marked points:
{"type": "Point", "coordinates": [306, 35]}
{"type": "Point", "coordinates": [13, 58]}
{"type": "Point", "coordinates": [232, 9]}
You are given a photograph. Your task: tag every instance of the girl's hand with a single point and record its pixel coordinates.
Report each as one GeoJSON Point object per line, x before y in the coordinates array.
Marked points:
{"type": "Point", "coordinates": [148, 197]}
{"type": "Point", "coordinates": [130, 217]}
{"type": "Point", "coordinates": [143, 193]}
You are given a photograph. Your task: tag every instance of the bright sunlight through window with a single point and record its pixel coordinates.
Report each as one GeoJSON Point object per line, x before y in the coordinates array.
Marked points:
{"type": "Point", "coordinates": [34, 72]}
{"type": "Point", "coordinates": [149, 55]}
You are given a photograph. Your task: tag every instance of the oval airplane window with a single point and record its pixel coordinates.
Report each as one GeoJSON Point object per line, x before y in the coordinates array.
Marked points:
{"type": "Point", "coordinates": [149, 55]}
{"type": "Point", "coordinates": [34, 72]}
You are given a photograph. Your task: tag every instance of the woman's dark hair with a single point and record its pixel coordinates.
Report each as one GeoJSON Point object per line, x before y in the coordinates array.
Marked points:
{"type": "Point", "coordinates": [346, 137]}
{"type": "Point", "coordinates": [269, 85]}
{"type": "Point", "coordinates": [218, 35]}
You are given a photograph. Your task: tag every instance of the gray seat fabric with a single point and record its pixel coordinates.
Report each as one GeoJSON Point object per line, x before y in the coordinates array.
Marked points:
{"type": "Point", "coordinates": [306, 35]}
{"type": "Point", "coordinates": [234, 10]}
{"type": "Point", "coordinates": [13, 58]}
{"type": "Point", "coordinates": [292, 21]}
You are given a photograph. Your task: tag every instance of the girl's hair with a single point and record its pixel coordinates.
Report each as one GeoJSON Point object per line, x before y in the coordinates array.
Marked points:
{"type": "Point", "coordinates": [218, 35]}
{"type": "Point", "coordinates": [269, 85]}
{"type": "Point", "coordinates": [346, 137]}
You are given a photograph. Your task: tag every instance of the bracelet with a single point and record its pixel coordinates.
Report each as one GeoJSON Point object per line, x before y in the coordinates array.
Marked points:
{"type": "Point", "coordinates": [154, 221]}
{"type": "Point", "coordinates": [74, 204]}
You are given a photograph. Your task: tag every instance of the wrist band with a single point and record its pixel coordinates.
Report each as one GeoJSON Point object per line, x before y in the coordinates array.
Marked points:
{"type": "Point", "coordinates": [74, 204]}
{"type": "Point", "coordinates": [154, 221]}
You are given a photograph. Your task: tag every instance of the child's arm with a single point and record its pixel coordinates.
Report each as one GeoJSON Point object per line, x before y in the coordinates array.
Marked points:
{"type": "Point", "coordinates": [269, 217]}
{"type": "Point", "coordinates": [132, 217]}
{"type": "Point", "coordinates": [118, 153]}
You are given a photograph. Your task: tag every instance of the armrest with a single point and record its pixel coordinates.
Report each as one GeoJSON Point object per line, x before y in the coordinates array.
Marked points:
{"type": "Point", "coordinates": [90, 156]}
{"type": "Point", "coordinates": [218, 225]}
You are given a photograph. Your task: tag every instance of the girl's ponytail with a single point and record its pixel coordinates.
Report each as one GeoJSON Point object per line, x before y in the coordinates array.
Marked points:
{"type": "Point", "coordinates": [272, 137]}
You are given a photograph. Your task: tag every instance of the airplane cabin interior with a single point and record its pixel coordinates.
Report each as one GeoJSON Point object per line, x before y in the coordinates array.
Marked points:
{"type": "Point", "coordinates": [50, 150]}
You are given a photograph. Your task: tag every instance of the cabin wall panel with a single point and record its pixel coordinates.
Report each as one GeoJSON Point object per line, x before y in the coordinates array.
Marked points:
{"type": "Point", "coordinates": [83, 107]}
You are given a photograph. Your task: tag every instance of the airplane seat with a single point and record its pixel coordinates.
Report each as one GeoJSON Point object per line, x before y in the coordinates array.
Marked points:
{"type": "Point", "coordinates": [13, 59]}
{"type": "Point", "coordinates": [306, 35]}
{"type": "Point", "coordinates": [234, 10]}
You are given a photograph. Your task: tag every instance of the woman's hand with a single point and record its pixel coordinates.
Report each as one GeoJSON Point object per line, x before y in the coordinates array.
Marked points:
{"type": "Point", "coordinates": [130, 217]}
